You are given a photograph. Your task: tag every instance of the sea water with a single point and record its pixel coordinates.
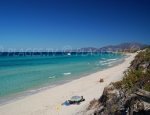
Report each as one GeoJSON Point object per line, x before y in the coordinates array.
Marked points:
{"type": "Point", "coordinates": [27, 73]}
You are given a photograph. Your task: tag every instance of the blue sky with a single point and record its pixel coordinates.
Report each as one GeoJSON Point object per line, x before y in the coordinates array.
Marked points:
{"type": "Point", "coordinates": [75, 23]}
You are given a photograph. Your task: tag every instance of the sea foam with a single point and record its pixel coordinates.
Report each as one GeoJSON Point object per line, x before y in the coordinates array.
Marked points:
{"type": "Point", "coordinates": [51, 77]}
{"type": "Point", "coordinates": [67, 73]}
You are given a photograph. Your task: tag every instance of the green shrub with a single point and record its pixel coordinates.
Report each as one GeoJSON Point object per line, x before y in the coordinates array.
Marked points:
{"type": "Point", "coordinates": [135, 76]}
{"type": "Point", "coordinates": [117, 84]}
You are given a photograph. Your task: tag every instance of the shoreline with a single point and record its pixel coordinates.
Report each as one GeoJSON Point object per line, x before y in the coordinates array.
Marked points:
{"type": "Point", "coordinates": [46, 101]}
{"type": "Point", "coordinates": [29, 92]}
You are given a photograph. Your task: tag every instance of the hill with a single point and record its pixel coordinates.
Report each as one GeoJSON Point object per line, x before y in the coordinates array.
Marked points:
{"type": "Point", "coordinates": [131, 95]}
{"type": "Point", "coordinates": [123, 47]}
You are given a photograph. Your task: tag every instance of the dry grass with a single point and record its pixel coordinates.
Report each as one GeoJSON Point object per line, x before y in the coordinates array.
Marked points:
{"type": "Point", "coordinates": [93, 104]}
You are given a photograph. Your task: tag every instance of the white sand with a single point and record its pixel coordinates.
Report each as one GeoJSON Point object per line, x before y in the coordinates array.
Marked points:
{"type": "Point", "coordinates": [48, 102]}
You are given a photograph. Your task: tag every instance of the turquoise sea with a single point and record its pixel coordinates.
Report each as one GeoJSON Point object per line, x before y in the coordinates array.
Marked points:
{"type": "Point", "coordinates": [24, 74]}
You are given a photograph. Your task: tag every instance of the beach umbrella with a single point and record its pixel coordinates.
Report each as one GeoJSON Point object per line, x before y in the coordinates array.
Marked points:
{"type": "Point", "coordinates": [76, 98]}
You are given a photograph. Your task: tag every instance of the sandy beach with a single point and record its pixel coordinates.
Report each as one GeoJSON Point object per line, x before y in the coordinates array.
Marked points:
{"type": "Point", "coordinates": [48, 102]}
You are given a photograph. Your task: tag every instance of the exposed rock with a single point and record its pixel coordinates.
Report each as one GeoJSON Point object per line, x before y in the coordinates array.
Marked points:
{"type": "Point", "coordinates": [116, 102]}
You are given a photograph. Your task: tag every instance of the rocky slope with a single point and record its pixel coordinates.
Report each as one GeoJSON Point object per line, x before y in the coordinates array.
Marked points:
{"type": "Point", "coordinates": [130, 96]}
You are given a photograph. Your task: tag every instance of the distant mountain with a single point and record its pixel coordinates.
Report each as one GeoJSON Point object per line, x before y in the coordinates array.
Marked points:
{"type": "Point", "coordinates": [88, 49]}
{"type": "Point", "coordinates": [124, 47]}
{"type": "Point", "coordinates": [130, 47]}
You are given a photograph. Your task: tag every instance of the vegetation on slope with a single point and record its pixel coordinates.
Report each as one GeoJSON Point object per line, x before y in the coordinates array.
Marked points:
{"type": "Point", "coordinates": [131, 95]}
{"type": "Point", "coordinates": [138, 75]}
